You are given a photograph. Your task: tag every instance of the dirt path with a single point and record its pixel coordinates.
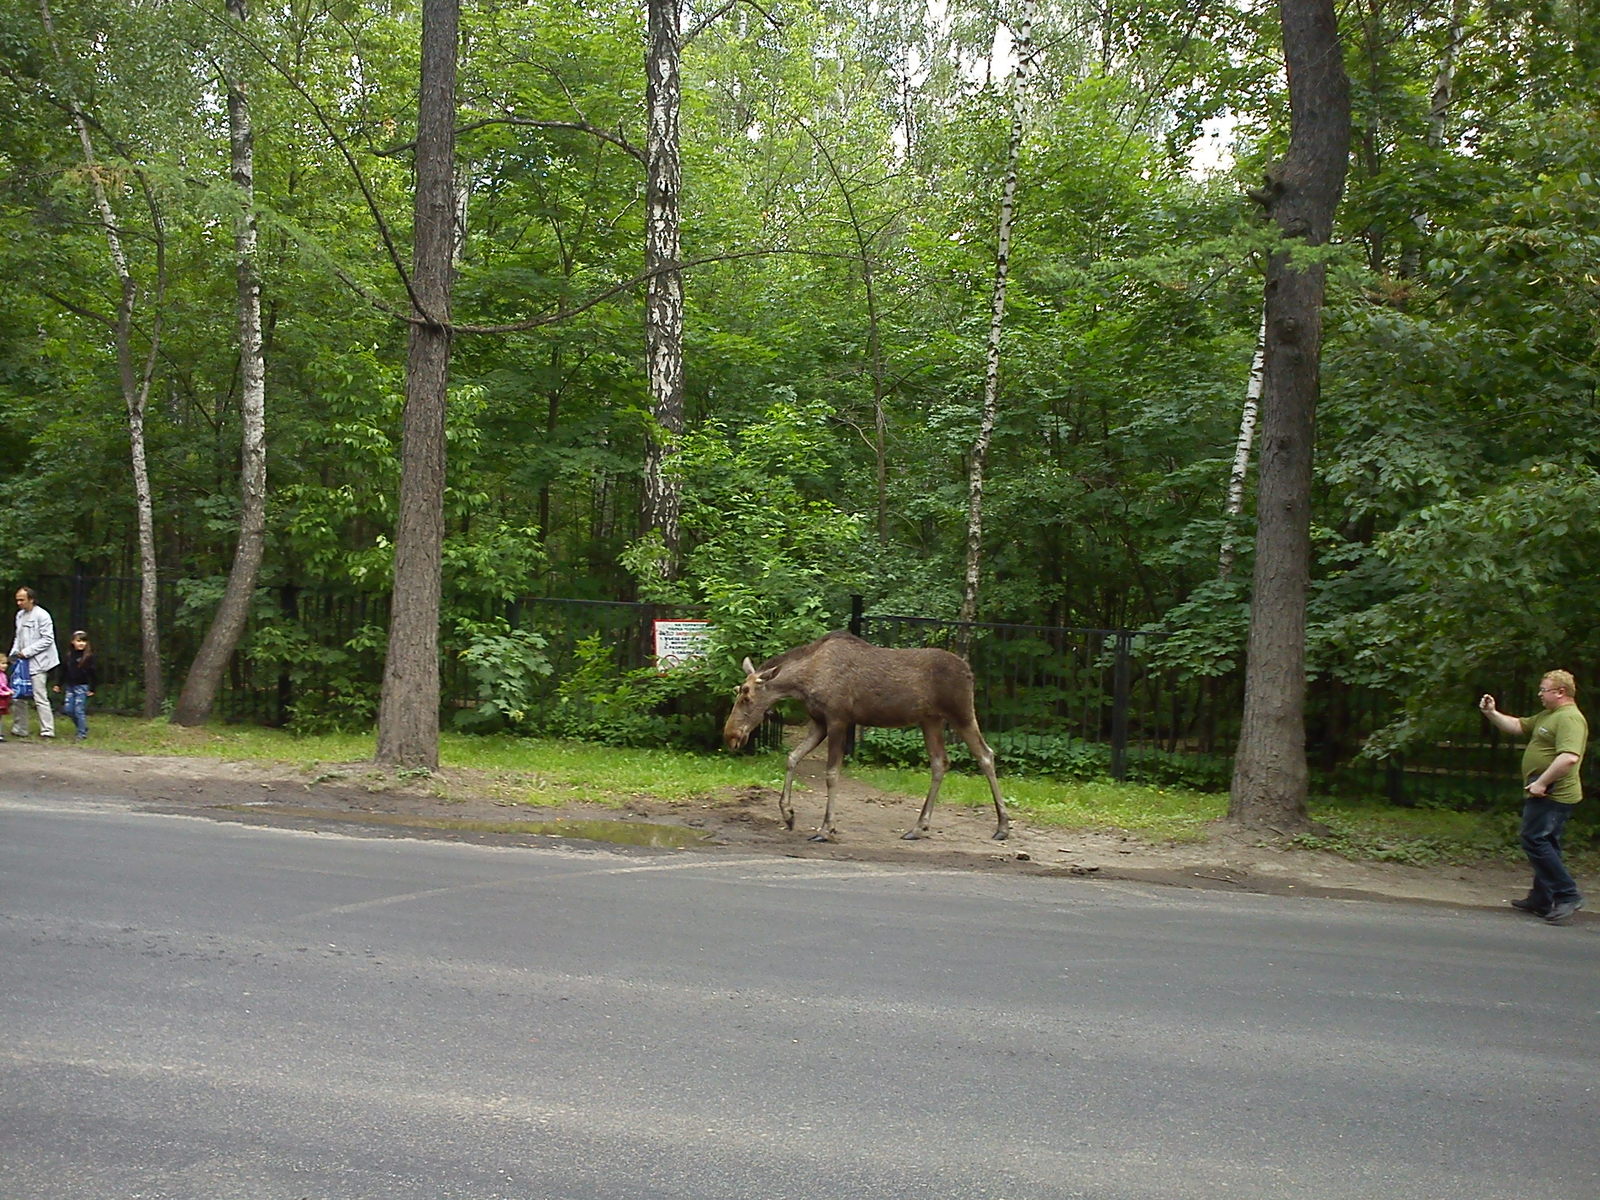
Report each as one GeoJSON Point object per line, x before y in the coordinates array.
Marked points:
{"type": "Point", "coordinates": [472, 805]}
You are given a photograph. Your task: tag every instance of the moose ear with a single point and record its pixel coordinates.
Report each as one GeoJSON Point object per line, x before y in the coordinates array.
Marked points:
{"type": "Point", "coordinates": [768, 676]}
{"type": "Point", "coordinates": [749, 668]}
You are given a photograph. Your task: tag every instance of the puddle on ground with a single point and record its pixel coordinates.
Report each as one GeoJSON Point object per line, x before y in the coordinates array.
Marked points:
{"type": "Point", "coordinates": [623, 833]}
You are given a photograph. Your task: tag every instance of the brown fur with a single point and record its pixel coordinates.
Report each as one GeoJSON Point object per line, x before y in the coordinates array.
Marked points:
{"type": "Point", "coordinates": [842, 681]}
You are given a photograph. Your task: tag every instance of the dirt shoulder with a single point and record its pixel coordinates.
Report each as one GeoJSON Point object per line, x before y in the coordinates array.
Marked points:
{"type": "Point", "coordinates": [468, 805]}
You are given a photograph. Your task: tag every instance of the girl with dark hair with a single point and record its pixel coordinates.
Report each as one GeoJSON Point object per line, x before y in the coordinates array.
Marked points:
{"type": "Point", "coordinates": [77, 674]}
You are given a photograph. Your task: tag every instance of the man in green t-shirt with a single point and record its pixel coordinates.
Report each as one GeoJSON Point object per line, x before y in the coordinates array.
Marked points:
{"type": "Point", "coordinates": [1551, 789]}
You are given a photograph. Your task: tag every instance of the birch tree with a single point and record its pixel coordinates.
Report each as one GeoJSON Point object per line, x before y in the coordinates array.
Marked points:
{"type": "Point", "coordinates": [1233, 506]}
{"type": "Point", "coordinates": [1302, 191]}
{"type": "Point", "coordinates": [133, 377]}
{"type": "Point", "coordinates": [662, 502]}
{"type": "Point", "coordinates": [1440, 99]}
{"type": "Point", "coordinates": [978, 461]}
{"type": "Point", "coordinates": [200, 688]}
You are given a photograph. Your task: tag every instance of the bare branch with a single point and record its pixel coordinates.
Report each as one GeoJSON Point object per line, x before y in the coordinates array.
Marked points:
{"type": "Point", "coordinates": [699, 26]}
{"type": "Point", "coordinates": [615, 139]}
{"type": "Point", "coordinates": [391, 249]}
{"type": "Point", "coordinates": [617, 289]}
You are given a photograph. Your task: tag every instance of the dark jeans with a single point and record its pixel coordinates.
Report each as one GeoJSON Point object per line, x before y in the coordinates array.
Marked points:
{"type": "Point", "coordinates": [1542, 823]}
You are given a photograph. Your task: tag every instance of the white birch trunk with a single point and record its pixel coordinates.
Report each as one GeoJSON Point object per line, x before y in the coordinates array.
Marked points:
{"type": "Point", "coordinates": [134, 382]}
{"type": "Point", "coordinates": [200, 688]}
{"type": "Point", "coordinates": [1438, 119]}
{"type": "Point", "coordinates": [662, 502]}
{"type": "Point", "coordinates": [1233, 509]}
{"type": "Point", "coordinates": [978, 462]}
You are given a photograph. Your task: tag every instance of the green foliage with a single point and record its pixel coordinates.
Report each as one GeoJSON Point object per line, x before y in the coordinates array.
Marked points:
{"type": "Point", "coordinates": [334, 688]}
{"type": "Point", "coordinates": [773, 560]}
{"type": "Point", "coordinates": [841, 211]}
{"type": "Point", "coordinates": [507, 667]}
{"type": "Point", "coordinates": [600, 701]}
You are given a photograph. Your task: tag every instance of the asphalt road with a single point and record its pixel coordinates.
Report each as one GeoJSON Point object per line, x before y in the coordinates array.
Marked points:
{"type": "Point", "coordinates": [199, 1010]}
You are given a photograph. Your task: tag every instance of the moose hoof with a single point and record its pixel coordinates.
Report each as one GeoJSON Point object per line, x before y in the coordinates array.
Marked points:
{"type": "Point", "coordinates": [1001, 835]}
{"type": "Point", "coordinates": [912, 835]}
{"type": "Point", "coordinates": [821, 836]}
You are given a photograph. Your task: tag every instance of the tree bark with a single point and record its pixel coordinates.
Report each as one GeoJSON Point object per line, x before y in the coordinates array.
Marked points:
{"type": "Point", "coordinates": [662, 501]}
{"type": "Point", "coordinates": [408, 712]}
{"type": "Point", "coordinates": [1270, 775]}
{"type": "Point", "coordinates": [978, 462]}
{"type": "Point", "coordinates": [200, 688]}
{"type": "Point", "coordinates": [1233, 508]}
{"type": "Point", "coordinates": [134, 379]}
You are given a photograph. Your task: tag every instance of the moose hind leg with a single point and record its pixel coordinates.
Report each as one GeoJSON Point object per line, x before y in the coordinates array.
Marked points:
{"type": "Point", "coordinates": [938, 764]}
{"type": "Point", "coordinates": [813, 735]}
{"type": "Point", "coordinates": [835, 734]}
{"type": "Point", "coordinates": [985, 757]}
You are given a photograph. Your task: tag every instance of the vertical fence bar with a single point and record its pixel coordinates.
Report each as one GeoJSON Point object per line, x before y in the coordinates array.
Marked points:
{"type": "Point", "coordinates": [1121, 676]}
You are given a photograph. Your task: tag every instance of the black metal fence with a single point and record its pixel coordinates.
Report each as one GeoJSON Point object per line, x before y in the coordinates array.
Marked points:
{"type": "Point", "coordinates": [307, 648]}
{"type": "Point", "coordinates": [1097, 698]}
{"type": "Point", "coordinates": [1086, 701]}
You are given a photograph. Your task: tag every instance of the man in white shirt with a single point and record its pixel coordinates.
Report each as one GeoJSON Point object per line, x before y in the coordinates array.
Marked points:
{"type": "Point", "coordinates": [35, 642]}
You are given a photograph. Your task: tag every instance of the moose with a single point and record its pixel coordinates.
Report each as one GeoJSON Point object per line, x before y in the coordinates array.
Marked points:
{"type": "Point", "coordinates": [843, 681]}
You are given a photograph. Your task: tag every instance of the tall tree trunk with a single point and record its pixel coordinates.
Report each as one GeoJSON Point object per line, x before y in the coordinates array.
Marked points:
{"type": "Point", "coordinates": [1444, 81]}
{"type": "Point", "coordinates": [199, 693]}
{"type": "Point", "coordinates": [1301, 194]}
{"type": "Point", "coordinates": [133, 378]}
{"type": "Point", "coordinates": [408, 712]}
{"type": "Point", "coordinates": [663, 316]}
{"type": "Point", "coordinates": [1233, 508]}
{"type": "Point", "coordinates": [978, 462]}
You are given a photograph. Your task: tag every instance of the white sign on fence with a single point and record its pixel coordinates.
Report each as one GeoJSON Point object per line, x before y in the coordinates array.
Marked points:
{"type": "Point", "coordinates": [679, 641]}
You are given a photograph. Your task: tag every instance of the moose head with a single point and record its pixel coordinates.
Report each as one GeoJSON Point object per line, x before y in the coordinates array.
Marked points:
{"type": "Point", "coordinates": [750, 705]}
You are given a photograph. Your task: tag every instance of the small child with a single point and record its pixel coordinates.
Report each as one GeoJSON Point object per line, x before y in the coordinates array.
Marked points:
{"type": "Point", "coordinates": [77, 674]}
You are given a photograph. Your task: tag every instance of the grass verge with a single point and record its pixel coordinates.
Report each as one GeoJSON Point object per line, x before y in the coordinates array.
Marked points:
{"type": "Point", "coordinates": [542, 771]}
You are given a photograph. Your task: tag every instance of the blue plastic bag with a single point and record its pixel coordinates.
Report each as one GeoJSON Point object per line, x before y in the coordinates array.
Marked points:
{"type": "Point", "coordinates": [21, 680]}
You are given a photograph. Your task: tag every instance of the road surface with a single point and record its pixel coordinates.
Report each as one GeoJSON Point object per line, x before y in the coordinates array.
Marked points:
{"type": "Point", "coordinates": [194, 1009]}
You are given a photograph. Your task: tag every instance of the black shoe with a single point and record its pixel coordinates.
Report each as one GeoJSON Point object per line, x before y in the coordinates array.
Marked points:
{"type": "Point", "coordinates": [1562, 913]}
{"type": "Point", "coordinates": [1529, 905]}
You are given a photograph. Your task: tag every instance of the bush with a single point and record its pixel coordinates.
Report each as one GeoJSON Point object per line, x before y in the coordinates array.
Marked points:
{"type": "Point", "coordinates": [1050, 756]}
{"type": "Point", "coordinates": [333, 691]}
{"type": "Point", "coordinates": [600, 701]}
{"type": "Point", "coordinates": [506, 666]}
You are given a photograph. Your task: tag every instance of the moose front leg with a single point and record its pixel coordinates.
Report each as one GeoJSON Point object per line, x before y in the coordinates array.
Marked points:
{"type": "Point", "coordinates": [809, 742]}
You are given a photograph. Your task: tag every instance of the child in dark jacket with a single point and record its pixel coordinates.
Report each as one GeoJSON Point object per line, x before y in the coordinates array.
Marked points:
{"type": "Point", "coordinates": [77, 676]}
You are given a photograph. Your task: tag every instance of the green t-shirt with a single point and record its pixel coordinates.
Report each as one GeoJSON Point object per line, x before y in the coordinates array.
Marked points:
{"type": "Point", "coordinates": [1555, 731]}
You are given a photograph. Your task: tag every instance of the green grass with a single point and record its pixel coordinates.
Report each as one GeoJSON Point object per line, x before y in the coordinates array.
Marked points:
{"type": "Point", "coordinates": [1374, 831]}
{"type": "Point", "coordinates": [550, 771]}
{"type": "Point", "coordinates": [553, 772]}
{"type": "Point", "coordinates": [1157, 813]}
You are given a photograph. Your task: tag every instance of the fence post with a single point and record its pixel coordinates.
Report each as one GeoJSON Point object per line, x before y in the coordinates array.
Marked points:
{"type": "Point", "coordinates": [1121, 687]}
{"type": "Point", "coordinates": [80, 599]}
{"type": "Point", "coordinates": [1394, 778]}
{"type": "Point", "coordinates": [858, 611]}
{"type": "Point", "coordinates": [289, 606]}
